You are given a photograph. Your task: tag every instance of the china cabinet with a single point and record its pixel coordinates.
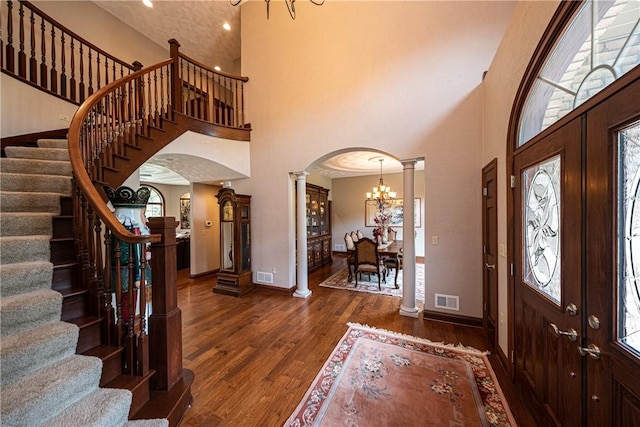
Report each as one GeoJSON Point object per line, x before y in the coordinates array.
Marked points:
{"type": "Point", "coordinates": [318, 217]}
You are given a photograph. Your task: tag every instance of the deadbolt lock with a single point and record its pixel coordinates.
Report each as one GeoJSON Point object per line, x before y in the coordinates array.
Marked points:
{"type": "Point", "coordinates": [571, 309]}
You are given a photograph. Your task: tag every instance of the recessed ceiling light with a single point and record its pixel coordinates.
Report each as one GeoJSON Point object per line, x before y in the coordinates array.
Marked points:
{"type": "Point", "coordinates": [226, 26]}
{"type": "Point", "coordinates": [217, 68]}
{"type": "Point", "coordinates": [147, 3]}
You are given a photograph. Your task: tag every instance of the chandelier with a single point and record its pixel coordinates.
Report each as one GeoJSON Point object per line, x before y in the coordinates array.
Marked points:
{"type": "Point", "coordinates": [382, 196]}
{"type": "Point", "coordinates": [291, 5]}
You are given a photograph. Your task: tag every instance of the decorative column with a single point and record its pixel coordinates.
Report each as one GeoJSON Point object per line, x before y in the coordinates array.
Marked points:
{"type": "Point", "coordinates": [302, 280]}
{"type": "Point", "coordinates": [408, 306]}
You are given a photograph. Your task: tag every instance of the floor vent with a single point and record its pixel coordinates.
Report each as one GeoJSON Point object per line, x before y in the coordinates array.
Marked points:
{"type": "Point", "coordinates": [264, 277]}
{"type": "Point", "coordinates": [450, 302]}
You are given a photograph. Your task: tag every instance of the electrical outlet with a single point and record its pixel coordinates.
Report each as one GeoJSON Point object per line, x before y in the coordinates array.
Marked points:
{"type": "Point", "coordinates": [435, 240]}
{"type": "Point", "coordinates": [273, 270]}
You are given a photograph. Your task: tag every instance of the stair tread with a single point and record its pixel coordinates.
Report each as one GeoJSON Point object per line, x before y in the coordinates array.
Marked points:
{"type": "Point", "coordinates": [129, 382]}
{"type": "Point", "coordinates": [103, 351]}
{"type": "Point", "coordinates": [70, 292]}
{"type": "Point", "coordinates": [84, 321]}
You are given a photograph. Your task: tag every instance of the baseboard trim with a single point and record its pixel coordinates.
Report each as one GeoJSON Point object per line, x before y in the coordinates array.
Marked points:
{"type": "Point", "coordinates": [275, 289]}
{"type": "Point", "coordinates": [206, 273]}
{"type": "Point", "coordinates": [452, 318]}
{"type": "Point", "coordinates": [504, 362]}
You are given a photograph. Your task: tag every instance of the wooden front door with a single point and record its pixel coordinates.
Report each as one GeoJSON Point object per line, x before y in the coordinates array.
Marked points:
{"type": "Point", "coordinates": [490, 251]}
{"type": "Point", "coordinates": [548, 367]}
{"type": "Point", "coordinates": [577, 265]}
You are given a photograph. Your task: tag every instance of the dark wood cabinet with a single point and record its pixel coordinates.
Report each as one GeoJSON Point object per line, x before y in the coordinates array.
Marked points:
{"type": "Point", "coordinates": [318, 217]}
{"type": "Point", "coordinates": [235, 277]}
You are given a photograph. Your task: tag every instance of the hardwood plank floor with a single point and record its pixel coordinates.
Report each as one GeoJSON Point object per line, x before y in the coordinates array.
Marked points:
{"type": "Point", "coordinates": [255, 356]}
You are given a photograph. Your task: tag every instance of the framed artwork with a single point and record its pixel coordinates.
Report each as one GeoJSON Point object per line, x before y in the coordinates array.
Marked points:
{"type": "Point", "coordinates": [396, 210]}
{"type": "Point", "coordinates": [185, 211]}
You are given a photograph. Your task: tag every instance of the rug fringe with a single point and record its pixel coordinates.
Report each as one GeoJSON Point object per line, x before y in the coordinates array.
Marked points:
{"type": "Point", "coordinates": [441, 344]}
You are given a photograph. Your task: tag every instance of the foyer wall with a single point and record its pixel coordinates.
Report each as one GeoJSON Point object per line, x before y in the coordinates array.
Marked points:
{"type": "Point", "coordinates": [396, 77]}
{"type": "Point", "coordinates": [500, 86]}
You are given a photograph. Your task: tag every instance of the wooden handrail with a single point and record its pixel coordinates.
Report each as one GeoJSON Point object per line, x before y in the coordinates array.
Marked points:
{"type": "Point", "coordinates": [206, 67]}
{"type": "Point", "coordinates": [83, 180]}
{"type": "Point", "coordinates": [50, 57]}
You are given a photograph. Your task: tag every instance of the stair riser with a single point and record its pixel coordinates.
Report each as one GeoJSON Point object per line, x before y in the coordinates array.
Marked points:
{"type": "Point", "coordinates": [29, 310]}
{"type": "Point", "coordinates": [73, 306]}
{"type": "Point", "coordinates": [64, 277]}
{"type": "Point", "coordinates": [25, 224]}
{"type": "Point", "coordinates": [64, 382]}
{"type": "Point", "coordinates": [25, 202]}
{"type": "Point", "coordinates": [111, 368]}
{"type": "Point", "coordinates": [62, 226]}
{"type": "Point", "coordinates": [25, 277]}
{"type": "Point", "coordinates": [36, 167]}
{"type": "Point", "coordinates": [37, 153]}
{"type": "Point", "coordinates": [14, 250]}
{"type": "Point", "coordinates": [140, 396]}
{"type": "Point", "coordinates": [62, 251]}
{"type": "Point", "coordinates": [53, 143]}
{"type": "Point", "coordinates": [89, 337]}
{"type": "Point", "coordinates": [42, 346]}
{"type": "Point", "coordinates": [36, 183]}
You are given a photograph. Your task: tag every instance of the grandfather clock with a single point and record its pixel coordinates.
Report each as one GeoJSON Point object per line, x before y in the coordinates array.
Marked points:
{"type": "Point", "coordinates": [235, 276]}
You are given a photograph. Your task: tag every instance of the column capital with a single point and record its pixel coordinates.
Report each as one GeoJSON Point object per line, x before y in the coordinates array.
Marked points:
{"type": "Point", "coordinates": [301, 174]}
{"type": "Point", "coordinates": [411, 162]}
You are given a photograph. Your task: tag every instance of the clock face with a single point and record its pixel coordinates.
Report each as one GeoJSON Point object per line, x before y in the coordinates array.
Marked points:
{"type": "Point", "coordinates": [227, 212]}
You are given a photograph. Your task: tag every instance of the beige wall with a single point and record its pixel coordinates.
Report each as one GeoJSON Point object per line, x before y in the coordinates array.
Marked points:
{"type": "Point", "coordinates": [500, 87]}
{"type": "Point", "coordinates": [366, 75]}
{"type": "Point", "coordinates": [94, 24]}
{"type": "Point", "coordinates": [205, 241]}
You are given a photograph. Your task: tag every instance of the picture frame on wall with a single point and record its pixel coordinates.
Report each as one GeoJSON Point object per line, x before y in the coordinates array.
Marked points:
{"type": "Point", "coordinates": [396, 210]}
{"type": "Point", "coordinates": [185, 211]}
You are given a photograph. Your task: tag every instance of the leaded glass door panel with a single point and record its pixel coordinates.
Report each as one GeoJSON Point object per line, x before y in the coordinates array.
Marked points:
{"type": "Point", "coordinates": [547, 273]}
{"type": "Point", "coordinates": [612, 248]}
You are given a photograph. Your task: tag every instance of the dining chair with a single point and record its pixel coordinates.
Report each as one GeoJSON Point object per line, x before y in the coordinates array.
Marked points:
{"type": "Point", "coordinates": [391, 235]}
{"type": "Point", "coordinates": [351, 255]}
{"type": "Point", "coordinates": [368, 260]}
{"type": "Point", "coordinates": [354, 236]}
{"type": "Point", "coordinates": [359, 234]}
{"type": "Point", "coordinates": [394, 263]}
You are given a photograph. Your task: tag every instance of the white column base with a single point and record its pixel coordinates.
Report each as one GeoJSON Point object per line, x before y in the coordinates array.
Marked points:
{"type": "Point", "coordinates": [302, 294]}
{"type": "Point", "coordinates": [409, 312]}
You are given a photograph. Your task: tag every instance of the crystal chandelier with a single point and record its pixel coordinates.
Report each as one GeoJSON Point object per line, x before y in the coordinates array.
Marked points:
{"type": "Point", "coordinates": [382, 196]}
{"type": "Point", "coordinates": [291, 5]}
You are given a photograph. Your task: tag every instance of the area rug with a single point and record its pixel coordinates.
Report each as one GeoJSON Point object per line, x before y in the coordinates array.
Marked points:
{"type": "Point", "coordinates": [370, 284]}
{"type": "Point", "coordinates": [381, 378]}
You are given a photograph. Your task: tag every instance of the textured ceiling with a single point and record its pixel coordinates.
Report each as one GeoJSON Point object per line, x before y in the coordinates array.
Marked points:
{"type": "Point", "coordinates": [196, 25]}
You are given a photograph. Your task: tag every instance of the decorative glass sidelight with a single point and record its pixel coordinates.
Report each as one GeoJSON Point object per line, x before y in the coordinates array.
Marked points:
{"type": "Point", "coordinates": [629, 237]}
{"type": "Point", "coordinates": [541, 217]}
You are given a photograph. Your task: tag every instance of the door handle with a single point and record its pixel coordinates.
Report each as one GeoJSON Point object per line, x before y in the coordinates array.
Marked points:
{"type": "Point", "coordinates": [572, 334]}
{"type": "Point", "coordinates": [593, 351]}
{"type": "Point", "coordinates": [492, 266]}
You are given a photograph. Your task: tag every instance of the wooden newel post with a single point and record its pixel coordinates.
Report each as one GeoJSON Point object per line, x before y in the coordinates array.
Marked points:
{"type": "Point", "coordinates": [176, 83]}
{"type": "Point", "coordinates": [165, 322]}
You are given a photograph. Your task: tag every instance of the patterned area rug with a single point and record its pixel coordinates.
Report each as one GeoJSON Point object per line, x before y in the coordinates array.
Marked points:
{"type": "Point", "coordinates": [370, 284]}
{"type": "Point", "coordinates": [381, 378]}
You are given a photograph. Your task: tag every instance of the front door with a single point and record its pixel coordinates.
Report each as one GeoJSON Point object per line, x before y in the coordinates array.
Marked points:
{"type": "Point", "coordinates": [576, 275]}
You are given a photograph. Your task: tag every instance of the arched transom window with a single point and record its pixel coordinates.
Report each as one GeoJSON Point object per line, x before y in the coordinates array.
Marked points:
{"type": "Point", "coordinates": [601, 44]}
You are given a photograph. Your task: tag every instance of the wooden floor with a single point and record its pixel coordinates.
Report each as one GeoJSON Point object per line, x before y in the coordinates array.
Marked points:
{"type": "Point", "coordinates": [255, 356]}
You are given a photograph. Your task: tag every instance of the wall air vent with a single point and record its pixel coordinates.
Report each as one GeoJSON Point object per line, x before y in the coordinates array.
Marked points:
{"type": "Point", "coordinates": [450, 302]}
{"type": "Point", "coordinates": [264, 277]}
{"type": "Point", "coordinates": [340, 247]}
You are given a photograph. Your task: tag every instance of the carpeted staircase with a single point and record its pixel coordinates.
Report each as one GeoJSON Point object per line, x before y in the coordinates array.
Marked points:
{"type": "Point", "coordinates": [43, 381]}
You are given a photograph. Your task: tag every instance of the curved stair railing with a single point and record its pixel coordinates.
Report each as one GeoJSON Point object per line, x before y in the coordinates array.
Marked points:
{"type": "Point", "coordinates": [127, 114]}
